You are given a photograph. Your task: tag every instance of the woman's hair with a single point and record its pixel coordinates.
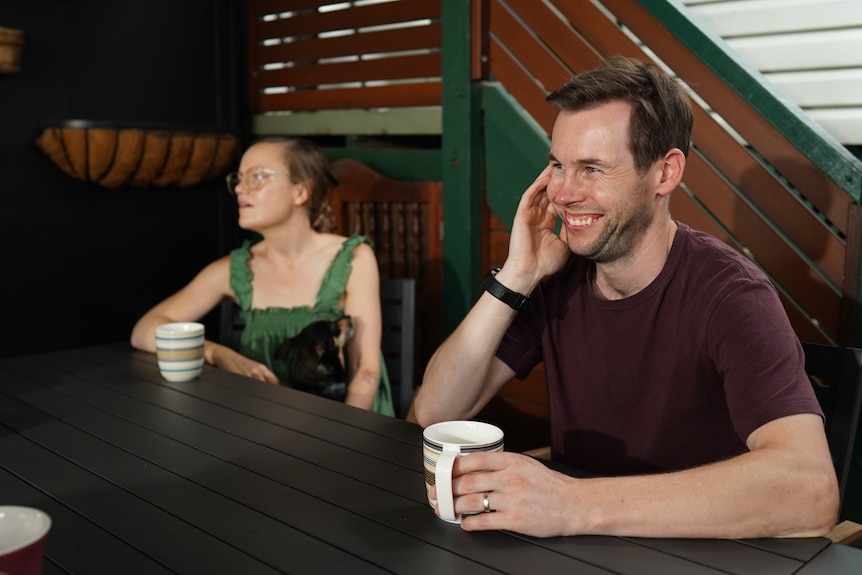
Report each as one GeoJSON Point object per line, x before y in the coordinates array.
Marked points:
{"type": "Point", "coordinates": [307, 164]}
{"type": "Point", "coordinates": [661, 112]}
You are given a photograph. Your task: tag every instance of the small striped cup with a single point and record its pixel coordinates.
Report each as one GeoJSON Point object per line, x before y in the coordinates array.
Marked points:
{"type": "Point", "coordinates": [180, 350]}
{"type": "Point", "coordinates": [441, 444]}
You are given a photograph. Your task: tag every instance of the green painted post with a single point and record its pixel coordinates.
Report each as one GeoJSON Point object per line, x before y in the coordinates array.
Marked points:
{"type": "Point", "coordinates": [460, 169]}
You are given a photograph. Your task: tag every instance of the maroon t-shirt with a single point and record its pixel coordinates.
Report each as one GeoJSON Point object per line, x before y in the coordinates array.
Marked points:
{"type": "Point", "coordinates": [675, 376]}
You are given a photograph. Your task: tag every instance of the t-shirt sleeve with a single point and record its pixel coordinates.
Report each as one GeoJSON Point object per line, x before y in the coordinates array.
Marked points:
{"type": "Point", "coordinates": [759, 357]}
{"type": "Point", "coordinates": [521, 347]}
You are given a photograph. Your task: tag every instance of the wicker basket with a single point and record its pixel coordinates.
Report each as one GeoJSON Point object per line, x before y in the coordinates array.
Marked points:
{"type": "Point", "coordinates": [138, 157]}
{"type": "Point", "coordinates": [11, 41]}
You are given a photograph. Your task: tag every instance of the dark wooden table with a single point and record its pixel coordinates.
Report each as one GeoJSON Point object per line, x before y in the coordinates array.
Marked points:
{"type": "Point", "coordinates": [228, 475]}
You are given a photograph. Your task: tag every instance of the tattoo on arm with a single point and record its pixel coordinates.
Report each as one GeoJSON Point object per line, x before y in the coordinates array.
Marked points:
{"type": "Point", "coordinates": [368, 376]}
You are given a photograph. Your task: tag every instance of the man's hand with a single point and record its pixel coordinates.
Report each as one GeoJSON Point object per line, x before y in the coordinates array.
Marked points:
{"type": "Point", "coordinates": [783, 487]}
{"type": "Point", "coordinates": [524, 495]}
{"type": "Point", "coordinates": [535, 250]}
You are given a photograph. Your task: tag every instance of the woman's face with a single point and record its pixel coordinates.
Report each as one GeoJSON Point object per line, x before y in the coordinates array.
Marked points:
{"type": "Point", "coordinates": [265, 194]}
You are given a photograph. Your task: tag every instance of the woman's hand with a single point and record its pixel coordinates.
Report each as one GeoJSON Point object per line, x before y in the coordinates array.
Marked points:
{"type": "Point", "coordinates": [226, 358]}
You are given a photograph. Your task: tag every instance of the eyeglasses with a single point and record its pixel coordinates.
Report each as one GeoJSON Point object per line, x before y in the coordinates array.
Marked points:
{"type": "Point", "coordinates": [253, 181]}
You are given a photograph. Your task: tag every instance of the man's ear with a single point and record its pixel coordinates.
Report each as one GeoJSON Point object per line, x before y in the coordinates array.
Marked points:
{"type": "Point", "coordinates": [671, 169]}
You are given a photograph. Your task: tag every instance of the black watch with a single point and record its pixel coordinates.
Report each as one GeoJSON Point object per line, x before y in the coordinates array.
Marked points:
{"type": "Point", "coordinates": [511, 298]}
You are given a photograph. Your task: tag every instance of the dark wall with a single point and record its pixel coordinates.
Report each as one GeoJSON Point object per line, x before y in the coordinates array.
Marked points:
{"type": "Point", "coordinates": [80, 263]}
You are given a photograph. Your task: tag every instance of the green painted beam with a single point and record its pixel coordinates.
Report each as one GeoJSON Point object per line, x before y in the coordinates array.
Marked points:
{"type": "Point", "coordinates": [834, 159]}
{"type": "Point", "coordinates": [461, 168]}
{"type": "Point", "coordinates": [392, 122]}
{"type": "Point", "coordinates": [516, 150]}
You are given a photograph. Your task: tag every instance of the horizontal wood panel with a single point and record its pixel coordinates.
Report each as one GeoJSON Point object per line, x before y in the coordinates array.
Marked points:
{"type": "Point", "coordinates": [422, 38]}
{"type": "Point", "coordinates": [391, 121]}
{"type": "Point", "coordinates": [844, 124]}
{"type": "Point", "coordinates": [394, 68]}
{"type": "Point", "coordinates": [267, 7]}
{"type": "Point", "coordinates": [312, 23]}
{"type": "Point", "coordinates": [804, 51]}
{"type": "Point", "coordinates": [420, 94]}
{"type": "Point", "coordinates": [817, 88]}
{"type": "Point", "coordinates": [753, 17]}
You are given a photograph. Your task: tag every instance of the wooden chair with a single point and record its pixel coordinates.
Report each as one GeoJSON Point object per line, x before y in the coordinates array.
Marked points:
{"type": "Point", "coordinates": [230, 324]}
{"type": "Point", "coordinates": [403, 219]}
{"type": "Point", "coordinates": [836, 373]}
{"type": "Point", "coordinates": [398, 308]}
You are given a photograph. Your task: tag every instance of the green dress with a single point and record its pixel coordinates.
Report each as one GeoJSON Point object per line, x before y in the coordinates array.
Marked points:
{"type": "Point", "coordinates": [266, 329]}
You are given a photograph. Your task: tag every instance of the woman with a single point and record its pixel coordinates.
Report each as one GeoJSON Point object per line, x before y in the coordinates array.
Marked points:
{"type": "Point", "coordinates": [296, 274]}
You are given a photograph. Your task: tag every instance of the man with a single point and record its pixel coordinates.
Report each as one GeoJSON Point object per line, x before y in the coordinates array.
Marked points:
{"type": "Point", "coordinates": [673, 372]}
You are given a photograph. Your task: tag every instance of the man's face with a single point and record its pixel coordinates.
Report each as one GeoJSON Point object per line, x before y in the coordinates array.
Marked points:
{"type": "Point", "coordinates": [605, 204]}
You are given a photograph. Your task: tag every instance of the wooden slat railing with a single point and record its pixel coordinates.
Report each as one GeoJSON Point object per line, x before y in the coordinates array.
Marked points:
{"type": "Point", "coordinates": [312, 55]}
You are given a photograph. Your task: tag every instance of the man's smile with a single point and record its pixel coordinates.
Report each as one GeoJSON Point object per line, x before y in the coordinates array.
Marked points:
{"type": "Point", "coordinates": [577, 221]}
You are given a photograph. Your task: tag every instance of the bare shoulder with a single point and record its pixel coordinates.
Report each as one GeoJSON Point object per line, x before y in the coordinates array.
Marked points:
{"type": "Point", "coordinates": [216, 273]}
{"type": "Point", "coordinates": [219, 266]}
{"type": "Point", "coordinates": [329, 241]}
{"type": "Point", "coordinates": [364, 258]}
{"type": "Point", "coordinates": [364, 269]}
{"type": "Point", "coordinates": [362, 251]}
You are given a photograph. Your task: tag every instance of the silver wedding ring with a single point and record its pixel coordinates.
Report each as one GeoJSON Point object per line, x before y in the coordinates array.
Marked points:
{"type": "Point", "coordinates": [486, 502]}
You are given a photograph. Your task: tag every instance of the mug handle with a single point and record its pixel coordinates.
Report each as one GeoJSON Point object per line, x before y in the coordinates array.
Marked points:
{"type": "Point", "coordinates": [443, 481]}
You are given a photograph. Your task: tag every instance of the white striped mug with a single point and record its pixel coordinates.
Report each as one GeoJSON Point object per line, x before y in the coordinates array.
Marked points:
{"type": "Point", "coordinates": [180, 350]}
{"type": "Point", "coordinates": [441, 444]}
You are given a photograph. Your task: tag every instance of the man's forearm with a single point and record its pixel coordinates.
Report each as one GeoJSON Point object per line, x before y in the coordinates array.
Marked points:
{"type": "Point", "coordinates": [706, 503]}
{"type": "Point", "coordinates": [774, 491]}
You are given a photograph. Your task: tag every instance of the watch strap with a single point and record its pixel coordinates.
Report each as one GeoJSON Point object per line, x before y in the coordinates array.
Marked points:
{"type": "Point", "coordinates": [511, 298]}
